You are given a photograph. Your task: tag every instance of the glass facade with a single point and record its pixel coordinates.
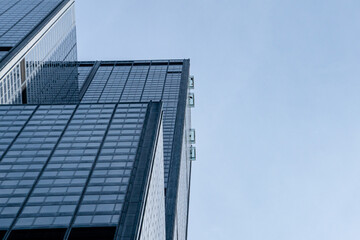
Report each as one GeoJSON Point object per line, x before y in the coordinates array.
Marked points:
{"type": "Point", "coordinates": [19, 18]}
{"type": "Point", "coordinates": [116, 82]}
{"type": "Point", "coordinates": [43, 60]}
{"type": "Point", "coordinates": [153, 81]}
{"type": "Point", "coordinates": [73, 135]}
{"type": "Point", "coordinates": [154, 213]}
{"type": "Point", "coordinates": [141, 81]}
{"type": "Point", "coordinates": [69, 166]}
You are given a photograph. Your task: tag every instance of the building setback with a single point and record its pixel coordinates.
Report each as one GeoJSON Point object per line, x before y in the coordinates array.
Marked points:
{"type": "Point", "coordinates": [88, 150]}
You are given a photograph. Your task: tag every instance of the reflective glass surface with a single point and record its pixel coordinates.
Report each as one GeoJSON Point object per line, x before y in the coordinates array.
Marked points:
{"type": "Point", "coordinates": [44, 63]}
{"type": "Point", "coordinates": [66, 165]}
{"type": "Point", "coordinates": [19, 17]}
{"type": "Point", "coordinates": [146, 81]}
{"type": "Point", "coordinates": [141, 81]}
{"type": "Point", "coordinates": [106, 83]}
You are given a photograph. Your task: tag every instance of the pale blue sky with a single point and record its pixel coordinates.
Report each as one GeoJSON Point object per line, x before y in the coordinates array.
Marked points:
{"type": "Point", "coordinates": [277, 111]}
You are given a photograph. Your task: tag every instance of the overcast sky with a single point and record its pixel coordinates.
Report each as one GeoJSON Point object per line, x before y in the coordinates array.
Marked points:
{"type": "Point", "coordinates": [277, 112]}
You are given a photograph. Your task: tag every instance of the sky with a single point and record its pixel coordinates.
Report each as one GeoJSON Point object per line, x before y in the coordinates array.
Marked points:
{"type": "Point", "coordinates": [277, 114]}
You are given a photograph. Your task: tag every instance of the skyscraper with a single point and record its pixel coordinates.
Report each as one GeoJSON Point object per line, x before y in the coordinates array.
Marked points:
{"type": "Point", "coordinates": [33, 35]}
{"type": "Point", "coordinates": [97, 150]}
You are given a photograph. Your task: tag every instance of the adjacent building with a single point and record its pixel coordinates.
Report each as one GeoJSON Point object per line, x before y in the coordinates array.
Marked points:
{"type": "Point", "coordinates": [88, 150]}
{"type": "Point", "coordinates": [37, 37]}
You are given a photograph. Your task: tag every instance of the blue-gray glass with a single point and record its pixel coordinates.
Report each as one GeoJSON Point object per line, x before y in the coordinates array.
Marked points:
{"type": "Point", "coordinates": [153, 81]}
{"type": "Point", "coordinates": [66, 165]}
{"type": "Point", "coordinates": [56, 82]}
{"type": "Point", "coordinates": [19, 17]}
{"type": "Point", "coordinates": [61, 83]}
{"type": "Point", "coordinates": [37, 76]}
{"type": "Point", "coordinates": [142, 82]}
{"type": "Point", "coordinates": [110, 83]}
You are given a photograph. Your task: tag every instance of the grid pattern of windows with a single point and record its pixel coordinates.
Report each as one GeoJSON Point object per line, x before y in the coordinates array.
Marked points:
{"type": "Point", "coordinates": [154, 83]}
{"type": "Point", "coordinates": [56, 46]}
{"type": "Point", "coordinates": [14, 182]}
{"type": "Point", "coordinates": [28, 154]}
{"type": "Point", "coordinates": [67, 165]}
{"type": "Point", "coordinates": [135, 84]}
{"type": "Point", "coordinates": [6, 5]}
{"type": "Point", "coordinates": [184, 186]}
{"type": "Point", "coordinates": [170, 101]}
{"type": "Point", "coordinates": [115, 84]}
{"type": "Point", "coordinates": [20, 18]}
{"type": "Point", "coordinates": [10, 86]}
{"type": "Point", "coordinates": [56, 82]}
{"type": "Point", "coordinates": [175, 69]}
{"type": "Point", "coordinates": [145, 82]}
{"type": "Point", "coordinates": [97, 85]}
{"type": "Point", "coordinates": [101, 146]}
{"type": "Point", "coordinates": [154, 216]}
{"type": "Point", "coordinates": [83, 72]}
{"type": "Point", "coordinates": [105, 193]}
{"type": "Point", "coordinates": [68, 169]}
{"type": "Point", "coordinates": [12, 119]}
